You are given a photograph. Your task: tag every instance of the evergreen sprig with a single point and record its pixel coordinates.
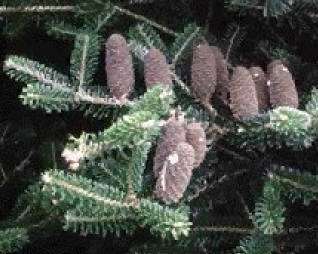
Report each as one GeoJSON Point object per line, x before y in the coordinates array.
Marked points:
{"type": "Point", "coordinates": [85, 58]}
{"type": "Point", "coordinates": [49, 90]}
{"type": "Point", "coordinates": [297, 185]}
{"type": "Point", "coordinates": [269, 211]}
{"type": "Point", "coordinates": [183, 42]}
{"type": "Point", "coordinates": [141, 125]}
{"type": "Point", "coordinates": [142, 37]}
{"type": "Point", "coordinates": [50, 99]}
{"type": "Point", "coordinates": [282, 126]}
{"type": "Point", "coordinates": [13, 239]}
{"type": "Point", "coordinates": [100, 201]}
{"type": "Point", "coordinates": [256, 243]}
{"type": "Point", "coordinates": [27, 71]}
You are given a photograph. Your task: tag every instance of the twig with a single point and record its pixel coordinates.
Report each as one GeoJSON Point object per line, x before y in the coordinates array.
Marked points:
{"type": "Point", "coordinates": [246, 209]}
{"type": "Point", "coordinates": [238, 230]}
{"type": "Point", "coordinates": [234, 154]}
{"type": "Point", "coordinates": [5, 178]}
{"type": "Point", "coordinates": [231, 43]}
{"type": "Point", "coordinates": [18, 168]}
{"type": "Point", "coordinates": [209, 16]}
{"type": "Point", "coordinates": [215, 183]}
{"type": "Point", "coordinates": [297, 185]}
{"type": "Point", "coordinates": [23, 163]}
{"type": "Point", "coordinates": [300, 229]}
{"type": "Point", "coordinates": [53, 154]}
{"type": "Point", "coordinates": [146, 20]}
{"type": "Point", "coordinates": [23, 214]}
{"type": "Point", "coordinates": [4, 133]}
{"type": "Point", "coordinates": [184, 46]}
{"type": "Point", "coordinates": [81, 96]}
{"type": "Point", "coordinates": [224, 229]}
{"type": "Point", "coordinates": [180, 83]}
{"type": "Point", "coordinates": [36, 9]}
{"type": "Point", "coordinates": [102, 22]}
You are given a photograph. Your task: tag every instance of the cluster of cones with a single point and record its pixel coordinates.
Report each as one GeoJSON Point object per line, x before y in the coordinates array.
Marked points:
{"type": "Point", "coordinates": [248, 92]}
{"type": "Point", "coordinates": [120, 72]}
{"type": "Point", "coordinates": [181, 148]}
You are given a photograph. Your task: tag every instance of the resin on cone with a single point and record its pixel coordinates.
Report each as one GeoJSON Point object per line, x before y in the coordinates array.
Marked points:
{"type": "Point", "coordinates": [175, 176]}
{"type": "Point", "coordinates": [196, 137]}
{"type": "Point", "coordinates": [222, 87]}
{"type": "Point", "coordinates": [119, 67]}
{"type": "Point", "coordinates": [203, 73]}
{"type": "Point", "coordinates": [174, 133]}
{"type": "Point", "coordinates": [156, 69]}
{"type": "Point", "coordinates": [262, 90]}
{"type": "Point", "coordinates": [243, 94]}
{"type": "Point", "coordinates": [282, 89]}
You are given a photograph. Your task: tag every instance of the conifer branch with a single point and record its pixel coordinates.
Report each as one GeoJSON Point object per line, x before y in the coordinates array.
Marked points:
{"type": "Point", "coordinates": [223, 229]}
{"type": "Point", "coordinates": [228, 52]}
{"type": "Point", "coordinates": [146, 20]}
{"type": "Point", "coordinates": [299, 181]}
{"type": "Point", "coordinates": [36, 9]}
{"type": "Point", "coordinates": [99, 200]}
{"type": "Point", "coordinates": [269, 211]}
{"type": "Point", "coordinates": [27, 71]}
{"type": "Point", "coordinates": [183, 41]}
{"type": "Point", "coordinates": [180, 83]}
{"type": "Point", "coordinates": [84, 59]}
{"type": "Point", "coordinates": [12, 239]}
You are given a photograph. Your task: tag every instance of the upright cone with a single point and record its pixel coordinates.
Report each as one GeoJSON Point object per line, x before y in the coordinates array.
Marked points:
{"type": "Point", "coordinates": [282, 89]}
{"type": "Point", "coordinates": [175, 176]}
{"type": "Point", "coordinates": [156, 69]}
{"type": "Point", "coordinates": [243, 94]}
{"type": "Point", "coordinates": [262, 90]}
{"type": "Point", "coordinates": [203, 73]}
{"type": "Point", "coordinates": [173, 134]}
{"type": "Point", "coordinates": [119, 67]}
{"type": "Point", "coordinates": [196, 137]}
{"type": "Point", "coordinates": [222, 87]}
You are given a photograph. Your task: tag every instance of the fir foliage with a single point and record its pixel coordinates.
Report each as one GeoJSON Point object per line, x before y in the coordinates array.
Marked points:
{"type": "Point", "coordinates": [85, 58]}
{"type": "Point", "coordinates": [102, 201]}
{"type": "Point", "coordinates": [256, 243]}
{"type": "Point", "coordinates": [269, 211]}
{"type": "Point", "coordinates": [13, 239]}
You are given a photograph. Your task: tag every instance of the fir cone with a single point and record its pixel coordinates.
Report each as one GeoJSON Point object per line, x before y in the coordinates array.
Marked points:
{"type": "Point", "coordinates": [282, 87]}
{"type": "Point", "coordinates": [203, 73]}
{"type": "Point", "coordinates": [175, 176]}
{"type": "Point", "coordinates": [273, 64]}
{"type": "Point", "coordinates": [262, 90]}
{"type": "Point", "coordinates": [156, 69]}
{"type": "Point", "coordinates": [243, 94]}
{"type": "Point", "coordinates": [222, 87]}
{"type": "Point", "coordinates": [173, 134]}
{"type": "Point", "coordinates": [196, 137]}
{"type": "Point", "coordinates": [119, 67]}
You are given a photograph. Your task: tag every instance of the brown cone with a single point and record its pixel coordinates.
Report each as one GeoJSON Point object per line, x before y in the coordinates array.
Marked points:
{"type": "Point", "coordinates": [196, 137]}
{"type": "Point", "coordinates": [282, 87]}
{"type": "Point", "coordinates": [222, 87]}
{"type": "Point", "coordinates": [173, 134]}
{"type": "Point", "coordinates": [119, 67]}
{"type": "Point", "coordinates": [243, 94]}
{"type": "Point", "coordinates": [262, 89]}
{"type": "Point", "coordinates": [203, 73]}
{"type": "Point", "coordinates": [272, 64]}
{"type": "Point", "coordinates": [156, 69]}
{"type": "Point", "coordinates": [176, 174]}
